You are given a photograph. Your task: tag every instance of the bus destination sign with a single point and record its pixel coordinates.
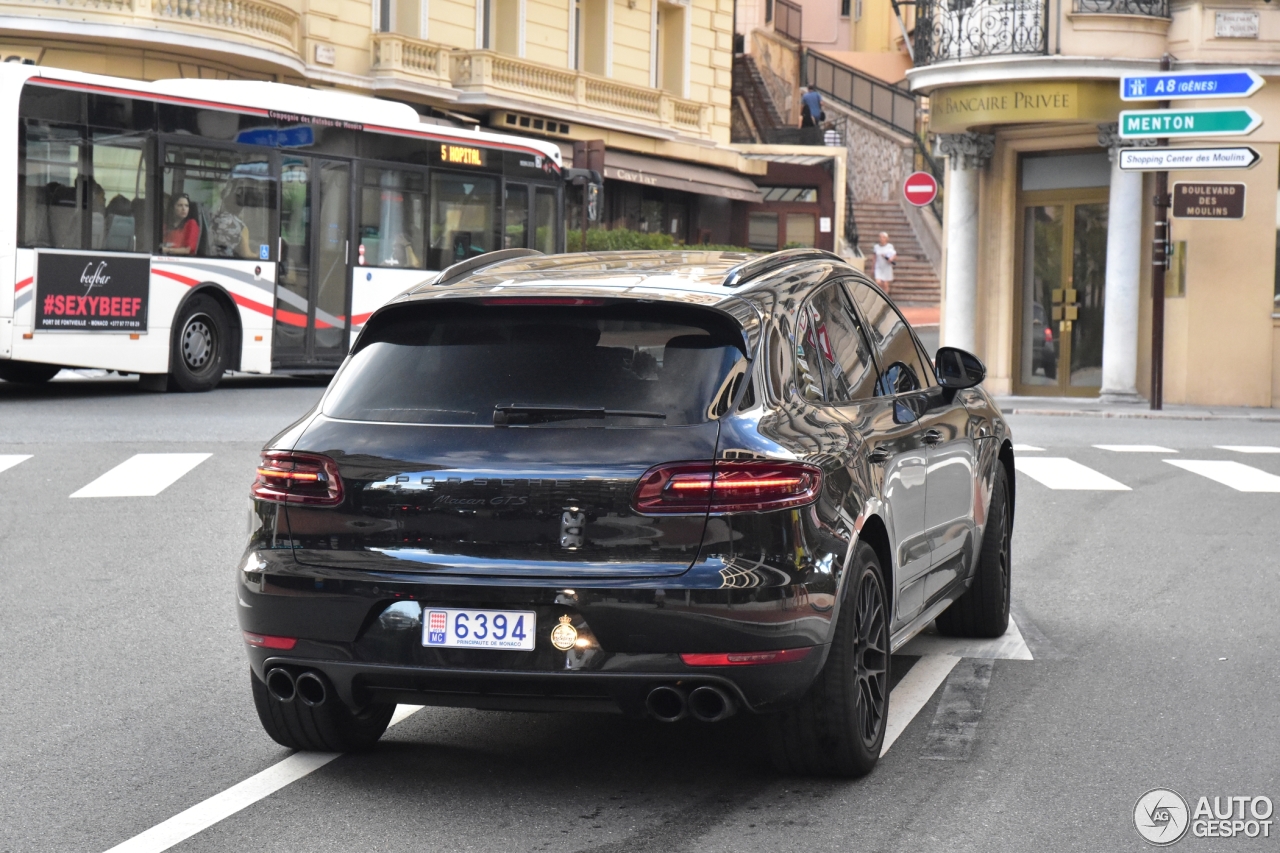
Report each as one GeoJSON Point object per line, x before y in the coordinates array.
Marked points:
{"type": "Point", "coordinates": [1208, 200]}
{"type": "Point", "coordinates": [84, 292]}
{"type": "Point", "coordinates": [463, 155]}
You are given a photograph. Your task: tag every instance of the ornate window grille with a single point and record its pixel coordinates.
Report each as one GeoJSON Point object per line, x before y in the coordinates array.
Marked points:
{"type": "Point", "coordinates": [968, 29]}
{"type": "Point", "coordinates": [1150, 8]}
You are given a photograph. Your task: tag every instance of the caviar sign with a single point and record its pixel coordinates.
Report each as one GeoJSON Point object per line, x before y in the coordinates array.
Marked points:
{"type": "Point", "coordinates": [91, 293]}
{"type": "Point", "coordinates": [1197, 200]}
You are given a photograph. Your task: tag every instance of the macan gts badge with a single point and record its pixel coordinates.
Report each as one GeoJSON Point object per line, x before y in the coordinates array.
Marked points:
{"type": "Point", "coordinates": [676, 485]}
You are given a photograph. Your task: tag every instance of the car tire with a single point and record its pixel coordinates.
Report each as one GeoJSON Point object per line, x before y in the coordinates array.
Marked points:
{"type": "Point", "coordinates": [983, 610]}
{"type": "Point", "coordinates": [27, 372]}
{"type": "Point", "coordinates": [328, 727]}
{"type": "Point", "coordinates": [837, 728]}
{"type": "Point", "coordinates": [201, 345]}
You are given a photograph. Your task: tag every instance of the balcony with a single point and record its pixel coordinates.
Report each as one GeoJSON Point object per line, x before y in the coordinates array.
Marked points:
{"type": "Point", "coordinates": [788, 19]}
{"type": "Point", "coordinates": [1146, 8]}
{"type": "Point", "coordinates": [969, 29]}
{"type": "Point", "coordinates": [256, 23]}
{"type": "Point", "coordinates": [533, 85]}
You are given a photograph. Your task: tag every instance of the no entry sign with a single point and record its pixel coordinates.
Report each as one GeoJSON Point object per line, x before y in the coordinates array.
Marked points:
{"type": "Point", "coordinates": [920, 188]}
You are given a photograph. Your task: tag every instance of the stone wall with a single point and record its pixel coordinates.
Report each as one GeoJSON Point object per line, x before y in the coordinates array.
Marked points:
{"type": "Point", "coordinates": [779, 65]}
{"type": "Point", "coordinates": [879, 159]}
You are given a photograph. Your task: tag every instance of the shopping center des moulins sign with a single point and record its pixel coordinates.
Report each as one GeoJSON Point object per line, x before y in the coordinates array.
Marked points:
{"type": "Point", "coordinates": [962, 107]}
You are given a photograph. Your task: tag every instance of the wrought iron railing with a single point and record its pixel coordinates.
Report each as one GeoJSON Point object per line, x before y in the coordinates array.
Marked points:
{"type": "Point", "coordinates": [787, 19]}
{"type": "Point", "coordinates": [968, 29]}
{"type": "Point", "coordinates": [1150, 8]}
{"type": "Point", "coordinates": [862, 93]}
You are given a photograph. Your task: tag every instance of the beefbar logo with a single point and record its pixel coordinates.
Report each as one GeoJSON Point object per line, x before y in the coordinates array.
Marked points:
{"type": "Point", "coordinates": [91, 293]}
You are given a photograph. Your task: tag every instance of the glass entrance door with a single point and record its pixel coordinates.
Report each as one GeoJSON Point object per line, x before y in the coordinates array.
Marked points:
{"type": "Point", "coordinates": [313, 280]}
{"type": "Point", "coordinates": [1063, 271]}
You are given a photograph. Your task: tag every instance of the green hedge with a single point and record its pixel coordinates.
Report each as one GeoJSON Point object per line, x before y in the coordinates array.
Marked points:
{"type": "Point", "coordinates": [600, 240]}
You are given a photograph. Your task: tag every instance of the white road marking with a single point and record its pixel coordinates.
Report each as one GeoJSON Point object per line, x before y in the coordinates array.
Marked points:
{"type": "Point", "coordinates": [1248, 448]}
{"type": "Point", "coordinates": [1135, 448]}
{"type": "Point", "coordinates": [1242, 478]}
{"type": "Point", "coordinates": [1026, 448]}
{"type": "Point", "coordinates": [142, 476]}
{"type": "Point", "coordinates": [8, 461]}
{"type": "Point", "coordinates": [913, 692]}
{"type": "Point", "coordinates": [1060, 473]}
{"type": "Point", "coordinates": [203, 815]}
{"type": "Point", "coordinates": [1010, 646]}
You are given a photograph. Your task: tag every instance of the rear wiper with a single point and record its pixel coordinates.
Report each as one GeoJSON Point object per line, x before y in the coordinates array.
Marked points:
{"type": "Point", "coordinates": [516, 415]}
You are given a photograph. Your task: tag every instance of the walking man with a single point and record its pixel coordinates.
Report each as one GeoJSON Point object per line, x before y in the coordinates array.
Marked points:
{"type": "Point", "coordinates": [811, 107]}
{"type": "Point", "coordinates": [886, 256]}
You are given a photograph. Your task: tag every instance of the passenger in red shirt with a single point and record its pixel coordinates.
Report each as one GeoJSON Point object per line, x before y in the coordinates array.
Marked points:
{"type": "Point", "coordinates": [183, 234]}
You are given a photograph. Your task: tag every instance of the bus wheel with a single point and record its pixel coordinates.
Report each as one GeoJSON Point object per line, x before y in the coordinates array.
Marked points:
{"type": "Point", "coordinates": [200, 343]}
{"type": "Point", "coordinates": [26, 372]}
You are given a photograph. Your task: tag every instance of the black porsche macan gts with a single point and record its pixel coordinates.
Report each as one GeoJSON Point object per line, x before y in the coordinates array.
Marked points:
{"type": "Point", "coordinates": [675, 484]}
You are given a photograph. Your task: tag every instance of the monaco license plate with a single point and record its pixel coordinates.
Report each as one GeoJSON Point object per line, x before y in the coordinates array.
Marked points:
{"type": "Point", "coordinates": [479, 629]}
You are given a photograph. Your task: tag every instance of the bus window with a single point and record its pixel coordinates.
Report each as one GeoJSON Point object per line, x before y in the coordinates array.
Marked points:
{"type": "Point", "coordinates": [464, 218]}
{"type": "Point", "coordinates": [118, 203]}
{"type": "Point", "coordinates": [544, 212]}
{"type": "Point", "coordinates": [517, 216]}
{"type": "Point", "coordinates": [393, 212]}
{"type": "Point", "coordinates": [52, 187]}
{"type": "Point", "coordinates": [230, 197]}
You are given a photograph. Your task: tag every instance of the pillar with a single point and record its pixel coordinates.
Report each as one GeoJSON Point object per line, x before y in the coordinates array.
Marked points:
{"type": "Point", "coordinates": [969, 154]}
{"type": "Point", "coordinates": [1124, 272]}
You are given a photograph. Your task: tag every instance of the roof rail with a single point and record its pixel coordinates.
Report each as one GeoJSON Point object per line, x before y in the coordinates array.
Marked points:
{"type": "Point", "coordinates": [462, 269]}
{"type": "Point", "coordinates": [756, 267]}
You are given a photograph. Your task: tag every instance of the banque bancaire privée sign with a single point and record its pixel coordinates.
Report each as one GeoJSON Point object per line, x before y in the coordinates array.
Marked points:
{"type": "Point", "coordinates": [87, 292]}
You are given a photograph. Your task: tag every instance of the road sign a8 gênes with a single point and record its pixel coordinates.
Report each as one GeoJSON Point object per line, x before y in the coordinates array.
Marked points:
{"type": "Point", "coordinates": [920, 188]}
{"type": "Point", "coordinates": [1236, 83]}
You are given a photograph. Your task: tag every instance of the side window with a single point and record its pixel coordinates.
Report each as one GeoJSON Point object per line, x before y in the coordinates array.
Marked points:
{"type": "Point", "coordinates": [217, 203]}
{"type": "Point", "coordinates": [850, 367]}
{"type": "Point", "coordinates": [464, 218]}
{"type": "Point", "coordinates": [53, 188]}
{"type": "Point", "coordinates": [812, 353]}
{"type": "Point", "coordinates": [393, 215]}
{"type": "Point", "coordinates": [119, 216]}
{"type": "Point", "coordinates": [903, 369]}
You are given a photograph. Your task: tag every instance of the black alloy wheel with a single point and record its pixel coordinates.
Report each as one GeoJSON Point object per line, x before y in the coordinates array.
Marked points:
{"type": "Point", "coordinates": [837, 728]}
{"type": "Point", "coordinates": [983, 610]}
{"type": "Point", "coordinates": [27, 372]}
{"type": "Point", "coordinates": [201, 345]}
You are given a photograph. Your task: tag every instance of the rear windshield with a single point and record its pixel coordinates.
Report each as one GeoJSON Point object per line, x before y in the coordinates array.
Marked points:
{"type": "Point", "coordinates": [631, 364]}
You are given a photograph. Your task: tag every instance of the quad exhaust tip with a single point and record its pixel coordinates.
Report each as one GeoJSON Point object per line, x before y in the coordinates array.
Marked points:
{"type": "Point", "coordinates": [281, 684]}
{"type": "Point", "coordinates": [711, 704]}
{"type": "Point", "coordinates": [311, 689]}
{"type": "Point", "coordinates": [666, 704]}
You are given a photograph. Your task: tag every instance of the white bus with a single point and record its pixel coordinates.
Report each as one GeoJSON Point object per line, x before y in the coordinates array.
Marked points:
{"type": "Point", "coordinates": [183, 228]}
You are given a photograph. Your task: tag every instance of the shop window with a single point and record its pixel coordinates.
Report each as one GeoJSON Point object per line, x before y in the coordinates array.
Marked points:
{"type": "Point", "coordinates": [801, 230]}
{"type": "Point", "coordinates": [762, 231]}
{"type": "Point", "coordinates": [464, 218]}
{"type": "Point", "coordinates": [393, 213]}
{"type": "Point", "coordinates": [229, 199]}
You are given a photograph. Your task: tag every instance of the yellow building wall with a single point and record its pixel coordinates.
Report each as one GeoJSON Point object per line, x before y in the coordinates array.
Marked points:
{"type": "Point", "coordinates": [631, 41]}
{"type": "Point", "coordinates": [453, 23]}
{"type": "Point", "coordinates": [547, 32]}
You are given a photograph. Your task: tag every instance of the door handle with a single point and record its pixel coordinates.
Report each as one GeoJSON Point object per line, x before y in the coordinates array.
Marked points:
{"type": "Point", "coordinates": [878, 455]}
{"type": "Point", "coordinates": [932, 437]}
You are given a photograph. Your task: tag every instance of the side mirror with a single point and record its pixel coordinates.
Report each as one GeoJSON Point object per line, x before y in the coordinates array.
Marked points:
{"type": "Point", "coordinates": [958, 369]}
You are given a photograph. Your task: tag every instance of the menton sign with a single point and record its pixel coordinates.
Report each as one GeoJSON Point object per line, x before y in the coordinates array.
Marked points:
{"type": "Point", "coordinates": [1148, 124]}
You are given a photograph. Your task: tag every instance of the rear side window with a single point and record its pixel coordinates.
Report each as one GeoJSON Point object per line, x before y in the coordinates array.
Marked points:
{"type": "Point", "coordinates": [902, 368]}
{"type": "Point", "coordinates": [631, 365]}
{"type": "Point", "coordinates": [835, 342]}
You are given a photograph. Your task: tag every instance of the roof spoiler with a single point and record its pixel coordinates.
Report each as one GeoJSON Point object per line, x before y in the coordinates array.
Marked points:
{"type": "Point", "coordinates": [462, 269]}
{"type": "Point", "coordinates": [756, 267]}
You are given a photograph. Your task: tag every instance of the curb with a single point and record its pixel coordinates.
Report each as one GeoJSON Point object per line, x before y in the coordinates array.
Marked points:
{"type": "Point", "coordinates": [1150, 415]}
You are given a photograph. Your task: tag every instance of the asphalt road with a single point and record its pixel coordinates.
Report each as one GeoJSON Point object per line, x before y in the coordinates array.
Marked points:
{"type": "Point", "coordinates": [1150, 614]}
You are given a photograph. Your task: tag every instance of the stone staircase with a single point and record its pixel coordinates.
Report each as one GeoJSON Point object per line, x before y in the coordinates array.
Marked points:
{"type": "Point", "coordinates": [915, 279]}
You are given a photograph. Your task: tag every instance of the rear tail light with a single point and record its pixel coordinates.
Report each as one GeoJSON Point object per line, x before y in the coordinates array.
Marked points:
{"type": "Point", "coordinates": [747, 658]}
{"type": "Point", "coordinates": [266, 641]}
{"type": "Point", "coordinates": [298, 478]}
{"type": "Point", "coordinates": [725, 487]}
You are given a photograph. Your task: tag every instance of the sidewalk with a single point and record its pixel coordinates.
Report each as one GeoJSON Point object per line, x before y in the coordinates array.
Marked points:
{"type": "Point", "coordinates": [1092, 407]}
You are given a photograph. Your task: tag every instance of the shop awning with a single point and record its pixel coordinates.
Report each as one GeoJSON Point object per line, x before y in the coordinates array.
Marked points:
{"type": "Point", "coordinates": [675, 175]}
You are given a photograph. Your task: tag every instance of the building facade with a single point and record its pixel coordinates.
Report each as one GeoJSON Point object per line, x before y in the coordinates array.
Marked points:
{"type": "Point", "coordinates": [1048, 243]}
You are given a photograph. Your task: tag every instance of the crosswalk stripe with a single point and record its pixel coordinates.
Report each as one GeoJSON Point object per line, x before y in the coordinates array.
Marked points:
{"type": "Point", "coordinates": [7, 461]}
{"type": "Point", "coordinates": [1057, 472]}
{"type": "Point", "coordinates": [1242, 478]}
{"type": "Point", "coordinates": [913, 692]}
{"type": "Point", "coordinates": [142, 476]}
{"type": "Point", "coordinates": [1248, 448]}
{"type": "Point", "coordinates": [1135, 448]}
{"type": "Point", "coordinates": [1024, 448]}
